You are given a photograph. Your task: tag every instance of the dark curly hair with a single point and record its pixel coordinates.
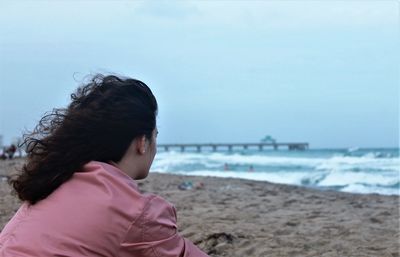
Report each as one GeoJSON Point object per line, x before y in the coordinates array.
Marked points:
{"type": "Point", "coordinates": [105, 115]}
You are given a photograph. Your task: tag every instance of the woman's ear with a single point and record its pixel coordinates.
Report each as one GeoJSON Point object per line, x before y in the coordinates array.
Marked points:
{"type": "Point", "coordinates": [141, 144]}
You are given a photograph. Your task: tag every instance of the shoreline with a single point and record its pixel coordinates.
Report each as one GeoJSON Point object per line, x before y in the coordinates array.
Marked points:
{"type": "Point", "coordinates": [238, 217]}
{"type": "Point", "coordinates": [315, 188]}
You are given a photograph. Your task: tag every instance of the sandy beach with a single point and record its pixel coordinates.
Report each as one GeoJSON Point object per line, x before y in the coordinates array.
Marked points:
{"type": "Point", "coordinates": [234, 217]}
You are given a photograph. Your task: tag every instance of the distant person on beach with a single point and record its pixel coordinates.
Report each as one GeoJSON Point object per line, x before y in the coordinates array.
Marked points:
{"type": "Point", "coordinates": [78, 185]}
{"type": "Point", "coordinates": [3, 155]}
{"type": "Point", "coordinates": [8, 152]}
{"type": "Point", "coordinates": [11, 151]}
{"type": "Point", "coordinates": [226, 167]}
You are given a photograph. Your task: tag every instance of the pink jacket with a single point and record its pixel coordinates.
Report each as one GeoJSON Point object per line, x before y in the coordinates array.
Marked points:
{"type": "Point", "coordinates": [98, 212]}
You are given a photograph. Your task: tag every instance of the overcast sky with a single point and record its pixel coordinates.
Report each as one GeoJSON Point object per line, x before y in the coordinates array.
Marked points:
{"type": "Point", "coordinates": [323, 72]}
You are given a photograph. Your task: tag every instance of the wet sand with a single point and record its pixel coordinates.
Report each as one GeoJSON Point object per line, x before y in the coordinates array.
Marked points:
{"type": "Point", "coordinates": [234, 217]}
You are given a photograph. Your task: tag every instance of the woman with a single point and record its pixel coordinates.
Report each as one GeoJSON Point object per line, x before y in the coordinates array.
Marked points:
{"type": "Point", "coordinates": [77, 186]}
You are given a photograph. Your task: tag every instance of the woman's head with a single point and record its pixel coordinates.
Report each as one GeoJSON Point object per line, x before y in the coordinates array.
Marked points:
{"type": "Point", "coordinates": [108, 113]}
{"type": "Point", "coordinates": [105, 116]}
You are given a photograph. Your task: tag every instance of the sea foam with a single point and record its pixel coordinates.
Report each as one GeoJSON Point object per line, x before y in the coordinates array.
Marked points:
{"type": "Point", "coordinates": [364, 171]}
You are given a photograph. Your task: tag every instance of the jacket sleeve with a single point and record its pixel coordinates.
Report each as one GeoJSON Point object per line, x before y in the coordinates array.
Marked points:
{"type": "Point", "coordinates": [155, 234]}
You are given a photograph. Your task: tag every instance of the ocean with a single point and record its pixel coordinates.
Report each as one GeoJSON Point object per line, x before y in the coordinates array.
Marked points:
{"type": "Point", "coordinates": [352, 170]}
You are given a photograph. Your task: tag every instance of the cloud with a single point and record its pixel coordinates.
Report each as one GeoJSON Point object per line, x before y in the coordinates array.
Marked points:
{"type": "Point", "coordinates": [295, 14]}
{"type": "Point", "coordinates": [163, 9]}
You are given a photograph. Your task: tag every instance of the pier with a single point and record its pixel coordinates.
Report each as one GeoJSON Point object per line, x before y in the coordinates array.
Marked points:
{"type": "Point", "coordinates": [230, 147]}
